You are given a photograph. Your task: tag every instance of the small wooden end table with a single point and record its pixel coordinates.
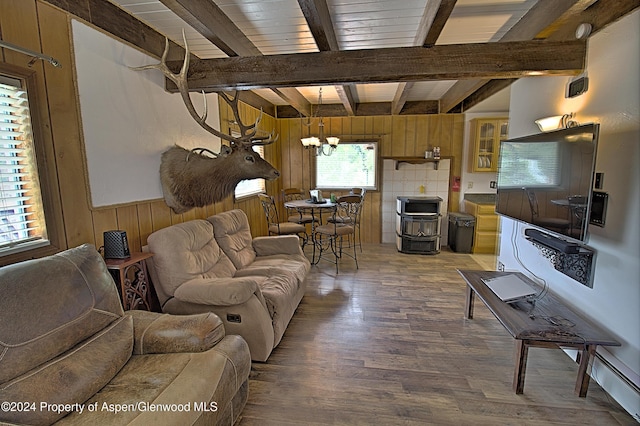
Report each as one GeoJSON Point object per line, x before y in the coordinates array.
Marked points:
{"type": "Point", "coordinates": [546, 324]}
{"type": "Point", "coordinates": [132, 276]}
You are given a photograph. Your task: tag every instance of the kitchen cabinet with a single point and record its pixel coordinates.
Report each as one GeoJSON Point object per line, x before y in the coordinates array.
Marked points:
{"type": "Point", "coordinates": [485, 235]}
{"type": "Point", "coordinates": [486, 134]}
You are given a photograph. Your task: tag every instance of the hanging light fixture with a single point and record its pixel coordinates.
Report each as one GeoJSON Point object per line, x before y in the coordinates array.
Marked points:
{"type": "Point", "coordinates": [320, 142]}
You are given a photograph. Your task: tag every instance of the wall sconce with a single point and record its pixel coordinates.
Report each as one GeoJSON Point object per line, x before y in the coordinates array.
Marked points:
{"type": "Point", "coordinates": [319, 142]}
{"type": "Point", "coordinates": [547, 124]}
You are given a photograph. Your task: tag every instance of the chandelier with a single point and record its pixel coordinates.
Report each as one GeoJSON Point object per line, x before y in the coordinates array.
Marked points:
{"type": "Point", "coordinates": [320, 142]}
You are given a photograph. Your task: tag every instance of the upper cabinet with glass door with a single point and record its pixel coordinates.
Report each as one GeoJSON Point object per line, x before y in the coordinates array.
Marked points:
{"type": "Point", "coordinates": [486, 134]}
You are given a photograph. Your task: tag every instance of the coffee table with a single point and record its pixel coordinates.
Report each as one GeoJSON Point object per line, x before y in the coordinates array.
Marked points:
{"type": "Point", "coordinates": [545, 323]}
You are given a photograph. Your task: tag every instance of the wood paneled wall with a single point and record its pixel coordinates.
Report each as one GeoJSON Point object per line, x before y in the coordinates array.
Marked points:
{"type": "Point", "coordinates": [42, 27]}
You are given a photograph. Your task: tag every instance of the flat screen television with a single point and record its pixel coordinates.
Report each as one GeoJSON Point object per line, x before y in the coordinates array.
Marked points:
{"type": "Point", "coordinates": [546, 179]}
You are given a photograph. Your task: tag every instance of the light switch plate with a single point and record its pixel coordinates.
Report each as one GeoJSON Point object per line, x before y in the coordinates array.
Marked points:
{"type": "Point", "coordinates": [598, 182]}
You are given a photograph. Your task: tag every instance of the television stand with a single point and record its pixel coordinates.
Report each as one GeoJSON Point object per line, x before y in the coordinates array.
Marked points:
{"type": "Point", "coordinates": [547, 324]}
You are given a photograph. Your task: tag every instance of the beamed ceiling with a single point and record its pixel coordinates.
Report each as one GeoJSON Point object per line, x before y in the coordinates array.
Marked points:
{"type": "Point", "coordinates": [369, 56]}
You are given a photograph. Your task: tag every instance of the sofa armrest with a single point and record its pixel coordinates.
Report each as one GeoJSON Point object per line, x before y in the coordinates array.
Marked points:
{"type": "Point", "coordinates": [163, 333]}
{"type": "Point", "coordinates": [277, 244]}
{"type": "Point", "coordinates": [219, 291]}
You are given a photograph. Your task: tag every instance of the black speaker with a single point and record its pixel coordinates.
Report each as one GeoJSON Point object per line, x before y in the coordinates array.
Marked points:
{"type": "Point", "coordinates": [116, 245]}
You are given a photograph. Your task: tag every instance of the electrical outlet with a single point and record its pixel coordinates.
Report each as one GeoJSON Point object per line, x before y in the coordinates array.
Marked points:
{"type": "Point", "coordinates": [470, 185]}
{"type": "Point", "coordinates": [493, 184]}
{"type": "Point", "coordinates": [500, 266]}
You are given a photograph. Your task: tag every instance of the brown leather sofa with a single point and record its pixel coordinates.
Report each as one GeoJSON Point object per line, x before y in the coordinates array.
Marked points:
{"type": "Point", "coordinates": [69, 354]}
{"type": "Point", "coordinates": [253, 284]}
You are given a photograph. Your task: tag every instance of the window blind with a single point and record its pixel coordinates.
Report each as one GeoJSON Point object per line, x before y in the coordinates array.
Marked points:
{"type": "Point", "coordinates": [21, 209]}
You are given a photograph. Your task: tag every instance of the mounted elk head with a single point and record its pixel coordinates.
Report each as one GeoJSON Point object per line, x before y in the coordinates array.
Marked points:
{"type": "Point", "coordinates": [190, 178]}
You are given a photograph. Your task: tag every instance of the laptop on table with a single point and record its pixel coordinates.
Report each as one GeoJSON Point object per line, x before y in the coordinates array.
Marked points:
{"type": "Point", "coordinates": [510, 288]}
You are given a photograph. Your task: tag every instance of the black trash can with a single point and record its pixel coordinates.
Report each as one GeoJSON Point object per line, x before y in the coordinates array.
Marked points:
{"type": "Point", "coordinates": [461, 226]}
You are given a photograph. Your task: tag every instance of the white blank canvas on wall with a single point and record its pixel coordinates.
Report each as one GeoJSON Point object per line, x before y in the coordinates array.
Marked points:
{"type": "Point", "coordinates": [128, 119]}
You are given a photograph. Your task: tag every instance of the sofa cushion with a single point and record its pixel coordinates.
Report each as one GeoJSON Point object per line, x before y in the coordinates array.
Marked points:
{"type": "Point", "coordinates": [279, 292]}
{"type": "Point", "coordinates": [62, 321]}
{"type": "Point", "coordinates": [72, 377]}
{"type": "Point", "coordinates": [232, 232]}
{"type": "Point", "coordinates": [298, 265]}
{"type": "Point", "coordinates": [202, 384]}
{"type": "Point", "coordinates": [186, 251]}
{"type": "Point", "coordinates": [219, 291]}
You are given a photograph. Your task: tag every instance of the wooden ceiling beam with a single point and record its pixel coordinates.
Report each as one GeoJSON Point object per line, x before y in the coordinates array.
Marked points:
{"type": "Point", "coordinates": [435, 15]}
{"type": "Point", "coordinates": [348, 97]}
{"type": "Point", "coordinates": [294, 98]}
{"type": "Point", "coordinates": [485, 92]}
{"type": "Point", "coordinates": [436, 23]}
{"type": "Point", "coordinates": [115, 21]}
{"type": "Point", "coordinates": [599, 15]}
{"type": "Point", "coordinates": [541, 19]}
{"type": "Point", "coordinates": [366, 109]}
{"type": "Point", "coordinates": [210, 21]}
{"type": "Point", "coordinates": [316, 12]}
{"type": "Point", "coordinates": [399, 99]}
{"type": "Point", "coordinates": [447, 62]}
{"type": "Point", "coordinates": [318, 17]}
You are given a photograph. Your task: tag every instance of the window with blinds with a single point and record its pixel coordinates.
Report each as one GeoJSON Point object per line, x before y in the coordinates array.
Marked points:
{"type": "Point", "coordinates": [22, 224]}
{"type": "Point", "coordinates": [247, 188]}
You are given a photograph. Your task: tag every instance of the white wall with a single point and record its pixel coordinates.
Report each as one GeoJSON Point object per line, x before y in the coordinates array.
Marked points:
{"type": "Point", "coordinates": [613, 100]}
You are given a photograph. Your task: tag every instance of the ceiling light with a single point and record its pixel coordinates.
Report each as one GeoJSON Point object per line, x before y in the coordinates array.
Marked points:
{"type": "Point", "coordinates": [320, 142]}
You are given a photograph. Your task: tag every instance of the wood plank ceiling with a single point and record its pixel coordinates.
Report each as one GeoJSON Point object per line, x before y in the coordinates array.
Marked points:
{"type": "Point", "coordinates": [375, 56]}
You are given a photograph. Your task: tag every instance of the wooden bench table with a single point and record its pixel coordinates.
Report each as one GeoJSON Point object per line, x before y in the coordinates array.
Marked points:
{"type": "Point", "coordinates": [547, 323]}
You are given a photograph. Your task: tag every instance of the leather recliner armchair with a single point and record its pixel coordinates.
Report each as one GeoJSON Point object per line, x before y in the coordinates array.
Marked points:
{"type": "Point", "coordinates": [69, 354]}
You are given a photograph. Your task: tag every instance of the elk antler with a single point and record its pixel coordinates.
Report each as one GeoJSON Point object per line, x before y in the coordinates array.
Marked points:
{"type": "Point", "coordinates": [247, 133]}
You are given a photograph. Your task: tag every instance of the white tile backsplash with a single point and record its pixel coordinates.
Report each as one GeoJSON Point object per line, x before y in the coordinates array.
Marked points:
{"type": "Point", "coordinates": [407, 181]}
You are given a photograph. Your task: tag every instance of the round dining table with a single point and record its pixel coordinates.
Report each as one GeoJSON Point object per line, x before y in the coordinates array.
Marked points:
{"type": "Point", "coordinates": [312, 208]}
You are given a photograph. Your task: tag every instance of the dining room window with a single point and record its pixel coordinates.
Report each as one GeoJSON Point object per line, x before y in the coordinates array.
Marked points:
{"type": "Point", "coordinates": [351, 164]}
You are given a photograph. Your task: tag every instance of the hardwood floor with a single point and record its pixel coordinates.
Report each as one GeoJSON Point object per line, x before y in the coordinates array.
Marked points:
{"type": "Point", "coordinates": [387, 344]}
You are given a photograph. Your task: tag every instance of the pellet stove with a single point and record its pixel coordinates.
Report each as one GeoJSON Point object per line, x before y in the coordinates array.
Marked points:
{"type": "Point", "coordinates": [418, 224]}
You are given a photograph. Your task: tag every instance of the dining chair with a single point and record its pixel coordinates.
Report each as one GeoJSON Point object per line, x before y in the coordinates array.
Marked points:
{"type": "Point", "coordinates": [361, 192]}
{"type": "Point", "coordinates": [547, 222]}
{"type": "Point", "coordinates": [274, 225]}
{"type": "Point", "coordinates": [295, 215]}
{"type": "Point", "coordinates": [341, 225]}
